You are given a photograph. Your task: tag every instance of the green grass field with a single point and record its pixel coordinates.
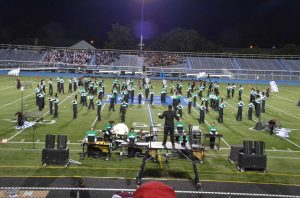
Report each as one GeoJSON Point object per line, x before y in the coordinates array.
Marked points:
{"type": "Point", "coordinates": [17, 158]}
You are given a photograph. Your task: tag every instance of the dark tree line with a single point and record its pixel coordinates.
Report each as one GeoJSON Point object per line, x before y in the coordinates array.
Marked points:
{"type": "Point", "coordinates": [183, 40]}
{"type": "Point", "coordinates": [179, 40]}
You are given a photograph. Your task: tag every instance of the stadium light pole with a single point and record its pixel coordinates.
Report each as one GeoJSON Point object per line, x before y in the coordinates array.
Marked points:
{"type": "Point", "coordinates": [141, 44]}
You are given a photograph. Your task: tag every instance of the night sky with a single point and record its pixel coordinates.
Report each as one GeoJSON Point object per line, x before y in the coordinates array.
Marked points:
{"type": "Point", "coordinates": [230, 23]}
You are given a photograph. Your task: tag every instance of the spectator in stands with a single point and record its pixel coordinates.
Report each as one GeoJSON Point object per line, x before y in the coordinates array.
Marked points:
{"type": "Point", "coordinates": [106, 57]}
{"type": "Point", "coordinates": [78, 57]}
{"type": "Point", "coordinates": [162, 59]}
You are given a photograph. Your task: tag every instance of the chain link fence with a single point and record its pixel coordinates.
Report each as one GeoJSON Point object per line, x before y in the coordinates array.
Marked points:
{"type": "Point", "coordinates": [42, 192]}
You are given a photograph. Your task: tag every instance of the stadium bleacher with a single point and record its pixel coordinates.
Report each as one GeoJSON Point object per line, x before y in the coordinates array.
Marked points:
{"type": "Point", "coordinates": [20, 55]}
{"type": "Point", "coordinates": [238, 66]}
{"type": "Point", "coordinates": [127, 60]}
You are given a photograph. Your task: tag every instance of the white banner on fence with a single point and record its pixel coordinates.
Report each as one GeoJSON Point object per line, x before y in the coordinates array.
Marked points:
{"type": "Point", "coordinates": [274, 87]}
{"type": "Point", "coordinates": [14, 72]}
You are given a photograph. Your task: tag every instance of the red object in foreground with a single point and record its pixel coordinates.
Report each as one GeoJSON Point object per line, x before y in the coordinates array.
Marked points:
{"type": "Point", "coordinates": [154, 189]}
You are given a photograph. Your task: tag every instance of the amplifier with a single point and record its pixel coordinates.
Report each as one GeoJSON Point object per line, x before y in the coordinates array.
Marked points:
{"type": "Point", "coordinates": [55, 156]}
{"type": "Point", "coordinates": [252, 161]}
{"type": "Point", "coordinates": [234, 153]}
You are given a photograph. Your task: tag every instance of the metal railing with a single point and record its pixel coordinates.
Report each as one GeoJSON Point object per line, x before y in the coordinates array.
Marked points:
{"type": "Point", "coordinates": [173, 71]}
{"type": "Point", "coordinates": [109, 192]}
{"type": "Point", "coordinates": [137, 52]}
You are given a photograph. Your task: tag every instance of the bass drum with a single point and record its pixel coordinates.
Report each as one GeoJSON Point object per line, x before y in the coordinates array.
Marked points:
{"type": "Point", "coordinates": [120, 129]}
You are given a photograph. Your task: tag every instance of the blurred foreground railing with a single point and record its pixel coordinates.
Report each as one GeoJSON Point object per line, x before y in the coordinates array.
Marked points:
{"type": "Point", "coordinates": [109, 192]}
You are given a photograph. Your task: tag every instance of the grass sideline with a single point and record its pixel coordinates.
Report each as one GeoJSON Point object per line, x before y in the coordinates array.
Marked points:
{"type": "Point", "coordinates": [17, 158]}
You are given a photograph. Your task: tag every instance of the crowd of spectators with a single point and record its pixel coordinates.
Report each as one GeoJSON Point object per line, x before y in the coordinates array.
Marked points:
{"type": "Point", "coordinates": [162, 59]}
{"type": "Point", "coordinates": [80, 57]}
{"type": "Point", "coordinates": [107, 57]}
{"type": "Point", "coordinates": [84, 57]}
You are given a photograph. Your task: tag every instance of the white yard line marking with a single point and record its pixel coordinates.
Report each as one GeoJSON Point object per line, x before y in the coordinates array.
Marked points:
{"type": "Point", "coordinates": [16, 100]}
{"type": "Point", "coordinates": [97, 116]}
{"type": "Point", "coordinates": [244, 114]}
{"type": "Point", "coordinates": [283, 112]}
{"type": "Point", "coordinates": [43, 116]}
{"type": "Point", "coordinates": [274, 149]}
{"type": "Point", "coordinates": [22, 140]}
{"type": "Point", "coordinates": [289, 149]}
{"type": "Point", "coordinates": [209, 125]}
{"type": "Point", "coordinates": [225, 142]}
{"type": "Point", "coordinates": [152, 124]}
{"type": "Point", "coordinates": [150, 115]}
{"type": "Point", "coordinates": [37, 141]}
{"type": "Point", "coordinates": [68, 142]}
{"type": "Point", "coordinates": [279, 136]}
{"type": "Point", "coordinates": [283, 98]}
{"type": "Point", "coordinates": [291, 142]}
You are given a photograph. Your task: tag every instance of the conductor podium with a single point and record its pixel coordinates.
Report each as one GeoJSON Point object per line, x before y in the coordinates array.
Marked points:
{"type": "Point", "coordinates": [55, 156]}
{"type": "Point", "coordinates": [191, 150]}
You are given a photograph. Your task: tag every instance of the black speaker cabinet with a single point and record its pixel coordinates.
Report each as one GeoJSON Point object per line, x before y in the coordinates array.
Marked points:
{"type": "Point", "coordinates": [248, 148]}
{"type": "Point", "coordinates": [259, 147]}
{"type": "Point", "coordinates": [252, 161]}
{"type": "Point", "coordinates": [55, 156]}
{"type": "Point", "coordinates": [62, 141]}
{"type": "Point", "coordinates": [234, 153]}
{"type": "Point", "coordinates": [50, 141]}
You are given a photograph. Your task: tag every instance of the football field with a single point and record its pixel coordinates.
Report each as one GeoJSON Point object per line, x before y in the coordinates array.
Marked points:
{"type": "Point", "coordinates": [19, 158]}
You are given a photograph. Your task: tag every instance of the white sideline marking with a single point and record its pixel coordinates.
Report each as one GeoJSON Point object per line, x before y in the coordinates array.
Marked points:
{"type": "Point", "coordinates": [4, 78]}
{"type": "Point", "coordinates": [272, 157]}
{"type": "Point", "coordinates": [43, 116]}
{"type": "Point", "coordinates": [221, 148]}
{"type": "Point", "coordinates": [37, 142]}
{"type": "Point", "coordinates": [16, 100]}
{"type": "Point", "coordinates": [97, 116]}
{"type": "Point", "coordinates": [76, 150]}
{"type": "Point", "coordinates": [283, 97]}
{"type": "Point", "coordinates": [7, 87]}
{"type": "Point", "coordinates": [289, 91]}
{"type": "Point", "coordinates": [283, 111]}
